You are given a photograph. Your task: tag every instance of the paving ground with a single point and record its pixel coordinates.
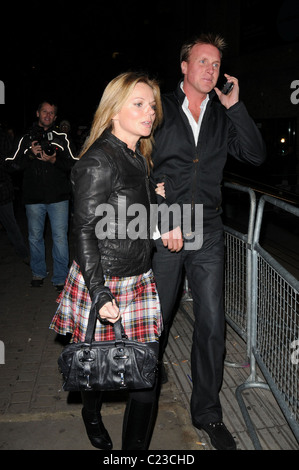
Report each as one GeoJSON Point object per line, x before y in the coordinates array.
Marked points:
{"type": "Point", "coordinates": [36, 414]}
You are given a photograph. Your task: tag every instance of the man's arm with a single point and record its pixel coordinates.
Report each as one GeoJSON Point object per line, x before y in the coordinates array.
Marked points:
{"type": "Point", "coordinates": [22, 154]}
{"type": "Point", "coordinates": [245, 140]}
{"type": "Point", "coordinates": [65, 159]}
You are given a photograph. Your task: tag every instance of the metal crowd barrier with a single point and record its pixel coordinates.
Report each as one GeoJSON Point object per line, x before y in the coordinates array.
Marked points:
{"type": "Point", "coordinates": [274, 329]}
{"type": "Point", "coordinates": [237, 274]}
{"type": "Point", "coordinates": [262, 305]}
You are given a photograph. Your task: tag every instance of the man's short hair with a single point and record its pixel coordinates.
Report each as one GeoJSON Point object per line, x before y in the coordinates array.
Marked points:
{"type": "Point", "coordinates": [50, 102]}
{"type": "Point", "coordinates": [210, 38]}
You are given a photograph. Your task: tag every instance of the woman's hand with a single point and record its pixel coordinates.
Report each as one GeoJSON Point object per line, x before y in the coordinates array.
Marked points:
{"type": "Point", "coordinates": [160, 189]}
{"type": "Point", "coordinates": [110, 312]}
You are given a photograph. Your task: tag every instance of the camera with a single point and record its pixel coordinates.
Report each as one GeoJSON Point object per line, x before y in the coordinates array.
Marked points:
{"type": "Point", "coordinates": [44, 139]}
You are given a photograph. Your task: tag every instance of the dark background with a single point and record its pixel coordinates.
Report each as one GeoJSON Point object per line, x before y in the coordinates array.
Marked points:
{"type": "Point", "coordinates": [68, 52]}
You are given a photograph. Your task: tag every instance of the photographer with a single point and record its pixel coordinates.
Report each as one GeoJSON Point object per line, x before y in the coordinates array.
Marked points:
{"type": "Point", "coordinates": [44, 156]}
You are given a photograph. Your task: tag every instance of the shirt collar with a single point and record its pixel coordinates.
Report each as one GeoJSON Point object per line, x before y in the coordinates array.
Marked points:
{"type": "Point", "coordinates": [185, 103]}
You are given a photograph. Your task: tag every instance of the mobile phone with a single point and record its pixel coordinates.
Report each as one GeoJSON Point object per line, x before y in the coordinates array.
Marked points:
{"type": "Point", "coordinates": [227, 88]}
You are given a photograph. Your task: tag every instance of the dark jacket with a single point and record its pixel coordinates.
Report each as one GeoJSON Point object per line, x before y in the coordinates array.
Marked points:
{"type": "Point", "coordinates": [193, 173]}
{"type": "Point", "coordinates": [6, 185]}
{"type": "Point", "coordinates": [106, 181]}
{"type": "Point", "coordinates": [44, 182]}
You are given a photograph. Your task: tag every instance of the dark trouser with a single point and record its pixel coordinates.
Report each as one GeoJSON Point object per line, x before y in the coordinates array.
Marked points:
{"type": "Point", "coordinates": [204, 269]}
{"type": "Point", "coordinates": [7, 219]}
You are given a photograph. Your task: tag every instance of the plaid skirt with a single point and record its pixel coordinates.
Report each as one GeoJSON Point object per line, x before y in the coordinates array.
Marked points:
{"type": "Point", "coordinates": [137, 299]}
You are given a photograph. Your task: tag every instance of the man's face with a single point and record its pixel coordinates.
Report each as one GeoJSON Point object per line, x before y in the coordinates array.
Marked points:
{"type": "Point", "coordinates": [202, 69]}
{"type": "Point", "coordinates": [46, 115]}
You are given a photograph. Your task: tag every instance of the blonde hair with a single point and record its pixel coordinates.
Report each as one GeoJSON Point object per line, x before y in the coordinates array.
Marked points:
{"type": "Point", "coordinates": [113, 99]}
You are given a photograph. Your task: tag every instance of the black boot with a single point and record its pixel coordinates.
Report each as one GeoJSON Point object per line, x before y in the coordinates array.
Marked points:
{"type": "Point", "coordinates": [138, 425]}
{"type": "Point", "coordinates": [91, 414]}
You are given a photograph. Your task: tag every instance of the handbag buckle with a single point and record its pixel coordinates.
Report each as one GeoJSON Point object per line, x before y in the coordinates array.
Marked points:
{"type": "Point", "coordinates": [122, 378]}
{"type": "Point", "coordinates": [86, 356]}
{"type": "Point", "coordinates": [121, 355]}
{"type": "Point", "coordinates": [88, 386]}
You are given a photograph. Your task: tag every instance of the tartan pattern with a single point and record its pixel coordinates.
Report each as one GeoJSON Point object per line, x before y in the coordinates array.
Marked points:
{"type": "Point", "coordinates": [137, 299]}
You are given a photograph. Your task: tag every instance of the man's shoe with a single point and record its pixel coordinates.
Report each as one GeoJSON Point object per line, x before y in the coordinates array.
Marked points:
{"type": "Point", "coordinates": [220, 436]}
{"type": "Point", "coordinates": [37, 281]}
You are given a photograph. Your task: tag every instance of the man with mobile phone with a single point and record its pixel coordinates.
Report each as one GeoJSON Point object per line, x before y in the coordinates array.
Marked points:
{"type": "Point", "coordinates": [201, 127]}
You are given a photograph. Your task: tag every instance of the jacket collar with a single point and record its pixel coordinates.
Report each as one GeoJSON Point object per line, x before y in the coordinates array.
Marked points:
{"type": "Point", "coordinates": [41, 129]}
{"type": "Point", "coordinates": [107, 135]}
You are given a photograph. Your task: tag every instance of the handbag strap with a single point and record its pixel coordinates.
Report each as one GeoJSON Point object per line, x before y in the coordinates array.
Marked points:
{"type": "Point", "coordinates": [117, 326]}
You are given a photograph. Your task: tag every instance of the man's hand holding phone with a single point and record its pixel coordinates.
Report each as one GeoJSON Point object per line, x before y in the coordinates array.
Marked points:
{"type": "Point", "coordinates": [229, 93]}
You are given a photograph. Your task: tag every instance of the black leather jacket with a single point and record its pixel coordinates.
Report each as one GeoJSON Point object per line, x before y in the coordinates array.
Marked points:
{"type": "Point", "coordinates": [106, 181]}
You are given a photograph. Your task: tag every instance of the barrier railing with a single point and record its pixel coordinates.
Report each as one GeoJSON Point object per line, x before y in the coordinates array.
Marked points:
{"type": "Point", "coordinates": [262, 305]}
{"type": "Point", "coordinates": [274, 329]}
{"type": "Point", "coordinates": [237, 274]}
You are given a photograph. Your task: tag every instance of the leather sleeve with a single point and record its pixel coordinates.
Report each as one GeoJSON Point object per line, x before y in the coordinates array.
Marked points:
{"type": "Point", "coordinates": [92, 185]}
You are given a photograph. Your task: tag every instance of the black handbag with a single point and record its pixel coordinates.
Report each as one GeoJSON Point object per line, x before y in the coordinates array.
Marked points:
{"type": "Point", "coordinates": [107, 365]}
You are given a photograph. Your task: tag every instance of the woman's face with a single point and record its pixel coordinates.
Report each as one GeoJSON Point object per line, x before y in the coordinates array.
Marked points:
{"type": "Point", "coordinates": [136, 117]}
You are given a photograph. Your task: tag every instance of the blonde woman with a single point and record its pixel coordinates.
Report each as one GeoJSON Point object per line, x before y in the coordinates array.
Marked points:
{"type": "Point", "coordinates": [112, 267]}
